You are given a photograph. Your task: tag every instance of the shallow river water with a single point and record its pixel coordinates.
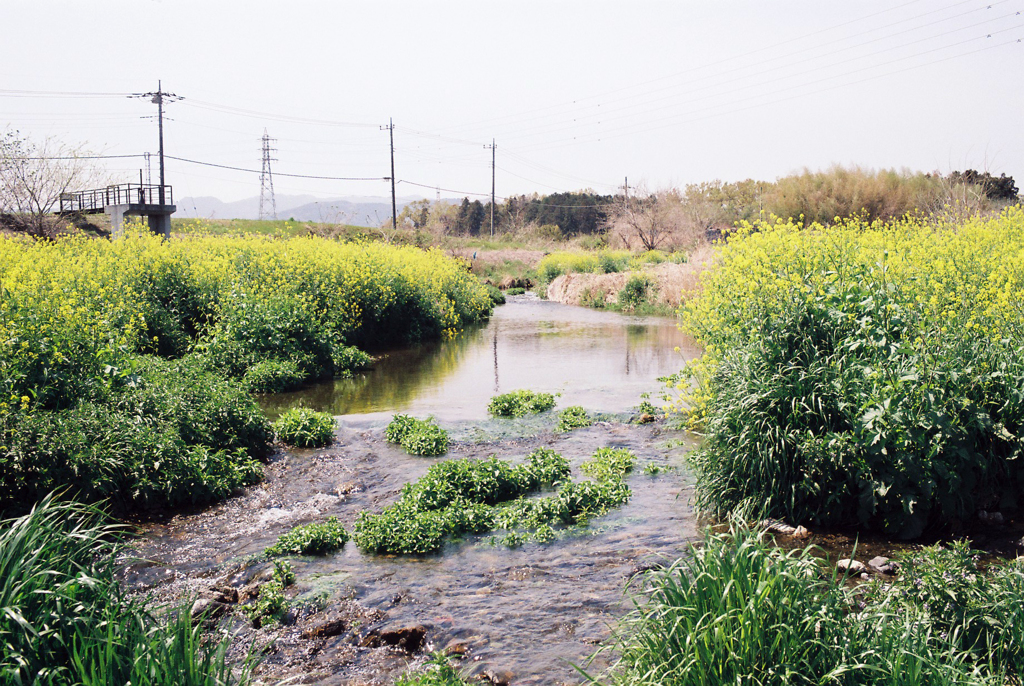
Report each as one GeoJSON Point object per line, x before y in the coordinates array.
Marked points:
{"type": "Point", "coordinates": [520, 616]}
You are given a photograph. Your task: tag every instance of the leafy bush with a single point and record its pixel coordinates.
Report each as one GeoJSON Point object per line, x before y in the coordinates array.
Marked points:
{"type": "Point", "coordinates": [635, 292]}
{"type": "Point", "coordinates": [166, 434]}
{"type": "Point", "coordinates": [273, 376]}
{"type": "Point", "coordinates": [417, 436]}
{"type": "Point", "coordinates": [497, 297]}
{"type": "Point", "coordinates": [515, 290]}
{"type": "Point", "coordinates": [78, 312]}
{"type": "Point", "coordinates": [863, 375]}
{"type": "Point", "coordinates": [348, 358]}
{"type": "Point", "coordinates": [64, 617]}
{"type": "Point", "coordinates": [573, 417]}
{"type": "Point", "coordinates": [520, 403]}
{"type": "Point", "coordinates": [305, 428]}
{"type": "Point", "coordinates": [315, 538]}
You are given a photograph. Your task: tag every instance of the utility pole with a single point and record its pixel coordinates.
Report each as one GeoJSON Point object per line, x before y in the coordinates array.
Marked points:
{"type": "Point", "coordinates": [158, 99]}
{"type": "Point", "coordinates": [391, 132]}
{"type": "Point", "coordinates": [267, 178]}
{"type": "Point", "coordinates": [493, 148]}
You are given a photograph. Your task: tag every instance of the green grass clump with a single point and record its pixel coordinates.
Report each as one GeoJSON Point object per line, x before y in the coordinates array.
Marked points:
{"type": "Point", "coordinates": [347, 359]}
{"type": "Point", "coordinates": [305, 428]}
{"type": "Point", "coordinates": [573, 417]}
{"type": "Point", "coordinates": [520, 403]}
{"type": "Point", "coordinates": [737, 610]}
{"type": "Point", "coordinates": [515, 290]}
{"type": "Point", "coordinates": [65, 619]}
{"type": "Point", "coordinates": [575, 504]}
{"type": "Point", "coordinates": [315, 538]}
{"type": "Point", "coordinates": [417, 436]}
{"type": "Point", "coordinates": [165, 433]}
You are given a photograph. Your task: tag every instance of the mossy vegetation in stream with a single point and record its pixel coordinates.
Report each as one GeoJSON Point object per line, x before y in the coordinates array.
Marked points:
{"type": "Point", "coordinates": [305, 428]}
{"type": "Point", "coordinates": [417, 436]}
{"type": "Point", "coordinates": [520, 403]}
{"type": "Point", "coordinates": [438, 671]}
{"type": "Point", "coordinates": [315, 538]}
{"type": "Point", "coordinates": [574, 417]}
{"type": "Point", "coordinates": [460, 497]}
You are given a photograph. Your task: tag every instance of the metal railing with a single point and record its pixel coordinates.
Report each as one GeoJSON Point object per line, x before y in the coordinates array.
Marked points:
{"type": "Point", "coordinates": [122, 194]}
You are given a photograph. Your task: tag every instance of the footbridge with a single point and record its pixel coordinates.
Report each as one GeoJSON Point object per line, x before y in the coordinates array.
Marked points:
{"type": "Point", "coordinates": [155, 202]}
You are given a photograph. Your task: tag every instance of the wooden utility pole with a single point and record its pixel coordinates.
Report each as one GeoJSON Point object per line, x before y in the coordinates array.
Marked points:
{"type": "Point", "coordinates": [391, 132]}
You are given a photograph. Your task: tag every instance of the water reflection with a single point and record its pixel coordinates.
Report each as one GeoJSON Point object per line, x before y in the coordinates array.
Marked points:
{"type": "Point", "coordinates": [600, 360]}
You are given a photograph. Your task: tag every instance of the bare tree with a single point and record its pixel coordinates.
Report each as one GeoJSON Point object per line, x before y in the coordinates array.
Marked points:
{"type": "Point", "coordinates": [34, 175]}
{"type": "Point", "coordinates": [643, 218]}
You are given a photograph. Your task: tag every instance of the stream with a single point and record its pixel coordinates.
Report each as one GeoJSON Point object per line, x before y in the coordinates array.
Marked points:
{"type": "Point", "coordinates": [512, 616]}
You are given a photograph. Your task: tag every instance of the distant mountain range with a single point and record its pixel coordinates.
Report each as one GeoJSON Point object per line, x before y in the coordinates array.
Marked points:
{"type": "Point", "coordinates": [365, 211]}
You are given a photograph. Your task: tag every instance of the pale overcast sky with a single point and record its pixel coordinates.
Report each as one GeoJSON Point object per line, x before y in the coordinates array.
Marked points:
{"type": "Point", "coordinates": [576, 94]}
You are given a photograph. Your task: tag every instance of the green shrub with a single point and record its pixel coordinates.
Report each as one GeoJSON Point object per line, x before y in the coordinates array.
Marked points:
{"type": "Point", "coordinates": [417, 436]}
{"type": "Point", "coordinates": [255, 328]}
{"type": "Point", "coordinates": [273, 376]}
{"type": "Point", "coordinates": [168, 433]}
{"type": "Point", "coordinates": [348, 358]}
{"type": "Point", "coordinates": [305, 428]}
{"type": "Point", "coordinates": [515, 290]}
{"type": "Point", "coordinates": [315, 538]}
{"type": "Point", "coordinates": [65, 618]}
{"type": "Point", "coordinates": [497, 297]}
{"type": "Point", "coordinates": [520, 403]}
{"type": "Point", "coordinates": [573, 417]}
{"type": "Point", "coordinates": [863, 375]}
{"type": "Point", "coordinates": [635, 292]}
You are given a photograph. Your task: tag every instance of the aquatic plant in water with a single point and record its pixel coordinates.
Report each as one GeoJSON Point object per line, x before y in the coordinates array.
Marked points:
{"type": "Point", "coordinates": [417, 436]}
{"type": "Point", "coordinates": [315, 538]}
{"type": "Point", "coordinates": [520, 403]}
{"type": "Point", "coordinates": [305, 428]}
{"type": "Point", "coordinates": [459, 497]}
{"type": "Point", "coordinates": [573, 417]}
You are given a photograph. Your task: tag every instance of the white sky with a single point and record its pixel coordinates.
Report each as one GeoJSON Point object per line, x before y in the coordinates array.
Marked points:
{"type": "Point", "coordinates": [576, 94]}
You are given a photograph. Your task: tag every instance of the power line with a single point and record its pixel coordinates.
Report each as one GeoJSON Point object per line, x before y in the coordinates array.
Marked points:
{"type": "Point", "coordinates": [294, 176]}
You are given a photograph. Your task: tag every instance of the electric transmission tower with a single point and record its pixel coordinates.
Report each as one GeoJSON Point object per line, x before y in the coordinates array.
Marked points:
{"type": "Point", "coordinates": [267, 200]}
